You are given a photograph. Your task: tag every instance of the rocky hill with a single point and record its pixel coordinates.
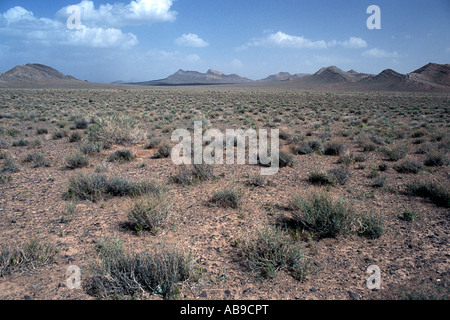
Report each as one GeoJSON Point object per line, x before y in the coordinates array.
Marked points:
{"type": "Point", "coordinates": [30, 75]}
{"type": "Point", "coordinates": [182, 77]}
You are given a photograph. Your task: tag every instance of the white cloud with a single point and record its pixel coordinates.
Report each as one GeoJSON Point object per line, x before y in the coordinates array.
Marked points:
{"type": "Point", "coordinates": [18, 14]}
{"type": "Point", "coordinates": [354, 43]}
{"type": "Point", "coordinates": [191, 40]}
{"type": "Point", "coordinates": [101, 38]}
{"type": "Point", "coordinates": [21, 25]}
{"type": "Point", "coordinates": [378, 53]}
{"type": "Point", "coordinates": [283, 40]}
{"type": "Point", "coordinates": [119, 14]}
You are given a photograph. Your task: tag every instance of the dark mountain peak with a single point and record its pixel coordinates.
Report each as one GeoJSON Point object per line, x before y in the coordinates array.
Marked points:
{"type": "Point", "coordinates": [331, 69]}
{"type": "Point", "coordinates": [433, 72]}
{"type": "Point", "coordinates": [390, 74]}
{"type": "Point", "coordinates": [332, 74]}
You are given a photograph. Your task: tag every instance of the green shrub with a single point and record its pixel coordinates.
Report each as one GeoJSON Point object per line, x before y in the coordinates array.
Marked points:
{"type": "Point", "coordinates": [307, 147]}
{"type": "Point", "coordinates": [257, 180]}
{"type": "Point", "coordinates": [228, 197]}
{"type": "Point", "coordinates": [164, 150]}
{"type": "Point", "coordinates": [346, 160]}
{"type": "Point", "coordinates": [42, 131]}
{"type": "Point", "coordinates": [122, 274]}
{"type": "Point", "coordinates": [150, 212]}
{"type": "Point", "coordinates": [191, 174]}
{"type": "Point", "coordinates": [334, 148]}
{"type": "Point", "coordinates": [87, 186]}
{"type": "Point", "coordinates": [90, 148]}
{"type": "Point", "coordinates": [123, 155]}
{"type": "Point", "coordinates": [341, 175]}
{"type": "Point", "coordinates": [115, 129]}
{"type": "Point", "coordinates": [323, 215]}
{"type": "Point", "coordinates": [81, 123]}
{"type": "Point", "coordinates": [75, 137]}
{"type": "Point", "coordinates": [409, 166]}
{"type": "Point", "coordinates": [371, 226]}
{"type": "Point", "coordinates": [30, 255]}
{"type": "Point", "coordinates": [436, 159]}
{"type": "Point", "coordinates": [321, 178]}
{"type": "Point", "coordinates": [37, 159]}
{"type": "Point", "coordinates": [434, 191]}
{"type": "Point", "coordinates": [59, 134]}
{"type": "Point", "coordinates": [97, 186]}
{"type": "Point", "coordinates": [408, 215]}
{"type": "Point", "coordinates": [379, 182]}
{"type": "Point", "coordinates": [271, 251]}
{"type": "Point", "coordinates": [395, 154]}
{"type": "Point", "coordinates": [77, 160]}
{"type": "Point", "coordinates": [20, 143]}
{"type": "Point", "coordinates": [152, 143]}
{"type": "Point", "coordinates": [9, 165]}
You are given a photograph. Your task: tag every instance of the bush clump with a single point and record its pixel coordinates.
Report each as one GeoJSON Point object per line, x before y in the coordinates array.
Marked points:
{"type": "Point", "coordinates": [191, 174]}
{"type": "Point", "coordinates": [271, 251]}
{"type": "Point", "coordinates": [164, 150]}
{"type": "Point", "coordinates": [331, 177]}
{"type": "Point", "coordinates": [123, 274]}
{"type": "Point", "coordinates": [334, 148]}
{"type": "Point", "coordinates": [434, 191]}
{"type": "Point", "coordinates": [90, 148]}
{"type": "Point", "coordinates": [31, 255]}
{"type": "Point", "coordinates": [75, 137]}
{"type": "Point", "coordinates": [307, 147]}
{"type": "Point", "coordinates": [436, 159]}
{"type": "Point", "coordinates": [397, 153]}
{"type": "Point", "coordinates": [123, 155]}
{"type": "Point", "coordinates": [97, 186]}
{"type": "Point", "coordinates": [115, 129]}
{"type": "Point", "coordinates": [150, 212]}
{"type": "Point", "coordinates": [409, 166]}
{"type": "Point", "coordinates": [9, 166]}
{"type": "Point", "coordinates": [77, 160]}
{"type": "Point", "coordinates": [228, 197]}
{"type": "Point", "coordinates": [371, 226]}
{"type": "Point", "coordinates": [323, 215]}
{"type": "Point", "coordinates": [37, 159]}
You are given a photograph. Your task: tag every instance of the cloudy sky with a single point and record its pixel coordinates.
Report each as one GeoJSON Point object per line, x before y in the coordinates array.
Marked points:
{"type": "Point", "coordinates": [151, 39]}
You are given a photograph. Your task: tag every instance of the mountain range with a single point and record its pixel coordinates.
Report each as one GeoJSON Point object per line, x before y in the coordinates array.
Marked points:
{"type": "Point", "coordinates": [432, 77]}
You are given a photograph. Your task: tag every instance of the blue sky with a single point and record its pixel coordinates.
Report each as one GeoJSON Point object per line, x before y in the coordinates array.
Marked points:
{"type": "Point", "coordinates": [135, 40]}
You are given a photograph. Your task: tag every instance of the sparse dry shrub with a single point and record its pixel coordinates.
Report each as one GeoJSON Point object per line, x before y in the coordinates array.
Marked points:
{"type": "Point", "coordinates": [115, 129]}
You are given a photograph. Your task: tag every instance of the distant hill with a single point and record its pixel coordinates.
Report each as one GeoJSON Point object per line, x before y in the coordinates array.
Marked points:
{"type": "Point", "coordinates": [182, 77]}
{"type": "Point", "coordinates": [433, 72]}
{"type": "Point", "coordinates": [33, 75]}
{"type": "Point", "coordinates": [432, 77]}
{"type": "Point", "coordinates": [34, 72]}
{"type": "Point", "coordinates": [283, 76]}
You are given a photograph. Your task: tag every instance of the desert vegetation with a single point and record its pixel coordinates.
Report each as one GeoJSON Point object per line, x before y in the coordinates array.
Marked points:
{"type": "Point", "coordinates": [363, 181]}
